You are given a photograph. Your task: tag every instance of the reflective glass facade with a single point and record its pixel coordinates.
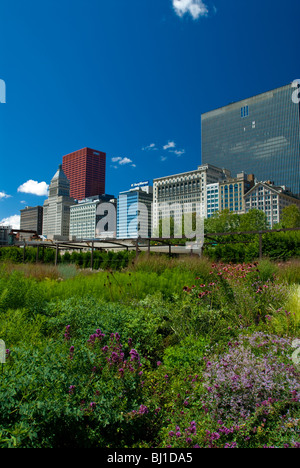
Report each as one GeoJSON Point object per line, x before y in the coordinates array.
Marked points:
{"type": "Point", "coordinates": [134, 214]}
{"type": "Point", "coordinates": [259, 135]}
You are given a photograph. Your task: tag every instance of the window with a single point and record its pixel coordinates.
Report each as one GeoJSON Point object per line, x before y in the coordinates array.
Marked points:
{"type": "Point", "coordinates": [244, 111]}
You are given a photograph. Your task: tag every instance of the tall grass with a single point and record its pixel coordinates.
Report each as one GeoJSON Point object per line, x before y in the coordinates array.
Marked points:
{"type": "Point", "coordinates": [40, 271]}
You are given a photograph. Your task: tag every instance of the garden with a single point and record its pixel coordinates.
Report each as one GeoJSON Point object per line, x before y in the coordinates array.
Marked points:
{"type": "Point", "coordinates": [163, 353]}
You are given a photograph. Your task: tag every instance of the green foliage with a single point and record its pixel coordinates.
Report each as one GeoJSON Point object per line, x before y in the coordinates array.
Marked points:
{"type": "Point", "coordinates": [102, 260]}
{"type": "Point", "coordinates": [123, 359]}
{"type": "Point", "coordinates": [290, 217]}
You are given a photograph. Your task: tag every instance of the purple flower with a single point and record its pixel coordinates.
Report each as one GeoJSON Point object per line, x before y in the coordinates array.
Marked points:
{"type": "Point", "coordinates": [134, 355]}
{"type": "Point", "coordinates": [67, 334]}
{"type": "Point", "coordinates": [71, 352]}
{"type": "Point", "coordinates": [143, 409]}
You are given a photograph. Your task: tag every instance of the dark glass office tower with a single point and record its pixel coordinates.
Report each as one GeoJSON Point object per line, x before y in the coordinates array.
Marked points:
{"type": "Point", "coordinates": [259, 135]}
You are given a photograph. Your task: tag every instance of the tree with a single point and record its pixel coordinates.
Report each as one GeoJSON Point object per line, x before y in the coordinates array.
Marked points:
{"type": "Point", "coordinates": [224, 221]}
{"type": "Point", "coordinates": [254, 220]}
{"type": "Point", "coordinates": [290, 217]}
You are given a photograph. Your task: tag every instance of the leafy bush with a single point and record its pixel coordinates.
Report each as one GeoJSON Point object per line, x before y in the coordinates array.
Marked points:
{"type": "Point", "coordinates": [150, 357]}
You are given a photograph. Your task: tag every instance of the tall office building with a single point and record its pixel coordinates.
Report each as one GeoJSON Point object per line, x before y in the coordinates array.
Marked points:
{"type": "Point", "coordinates": [85, 170]}
{"type": "Point", "coordinates": [212, 199]}
{"type": "Point", "coordinates": [134, 212]}
{"type": "Point", "coordinates": [259, 135]}
{"type": "Point", "coordinates": [56, 218]}
{"type": "Point", "coordinates": [232, 192]}
{"type": "Point", "coordinates": [185, 192]}
{"type": "Point", "coordinates": [32, 219]}
{"type": "Point", "coordinates": [85, 218]}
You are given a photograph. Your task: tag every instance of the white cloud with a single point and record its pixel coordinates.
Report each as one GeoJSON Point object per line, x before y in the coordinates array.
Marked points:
{"type": "Point", "coordinates": [179, 152]}
{"type": "Point", "coordinates": [13, 221]}
{"type": "Point", "coordinates": [122, 162]}
{"type": "Point", "coordinates": [125, 161]}
{"type": "Point", "coordinates": [196, 8]}
{"type": "Point", "coordinates": [171, 144]}
{"type": "Point", "coordinates": [4, 195]}
{"type": "Point", "coordinates": [151, 147]}
{"type": "Point", "coordinates": [171, 149]}
{"type": "Point", "coordinates": [34, 188]}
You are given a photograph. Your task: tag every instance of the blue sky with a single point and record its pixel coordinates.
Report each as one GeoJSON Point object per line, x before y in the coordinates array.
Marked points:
{"type": "Point", "coordinates": [130, 78]}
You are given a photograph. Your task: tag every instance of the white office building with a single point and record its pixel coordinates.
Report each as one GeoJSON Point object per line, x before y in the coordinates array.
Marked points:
{"type": "Point", "coordinates": [271, 199]}
{"type": "Point", "coordinates": [86, 216]}
{"type": "Point", "coordinates": [56, 218]}
{"type": "Point", "coordinates": [185, 192]}
{"type": "Point", "coordinates": [212, 199]}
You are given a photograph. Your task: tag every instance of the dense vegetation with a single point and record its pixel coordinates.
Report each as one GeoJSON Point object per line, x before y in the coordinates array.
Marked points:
{"type": "Point", "coordinates": [165, 353]}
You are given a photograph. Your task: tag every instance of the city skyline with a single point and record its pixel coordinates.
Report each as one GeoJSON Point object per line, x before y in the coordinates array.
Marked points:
{"type": "Point", "coordinates": [139, 103]}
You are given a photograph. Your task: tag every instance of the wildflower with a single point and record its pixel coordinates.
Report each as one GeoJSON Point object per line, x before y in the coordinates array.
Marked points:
{"type": "Point", "coordinates": [134, 355]}
{"type": "Point", "coordinates": [67, 334]}
{"type": "Point", "coordinates": [143, 409]}
{"type": "Point", "coordinates": [71, 352]}
{"type": "Point", "coordinates": [99, 334]}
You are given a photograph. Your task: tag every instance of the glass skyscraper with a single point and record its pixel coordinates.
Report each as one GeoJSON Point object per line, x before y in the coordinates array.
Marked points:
{"type": "Point", "coordinates": [134, 213]}
{"type": "Point", "coordinates": [259, 135]}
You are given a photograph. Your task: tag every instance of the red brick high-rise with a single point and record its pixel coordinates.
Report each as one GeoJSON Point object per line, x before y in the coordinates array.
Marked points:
{"type": "Point", "coordinates": [85, 170]}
